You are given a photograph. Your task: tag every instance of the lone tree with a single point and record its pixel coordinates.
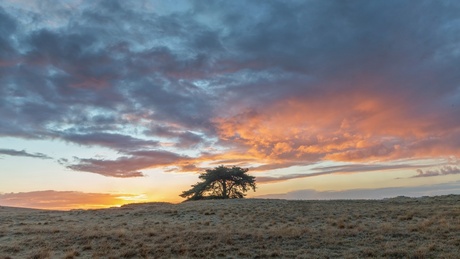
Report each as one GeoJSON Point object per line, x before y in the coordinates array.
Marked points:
{"type": "Point", "coordinates": [221, 183]}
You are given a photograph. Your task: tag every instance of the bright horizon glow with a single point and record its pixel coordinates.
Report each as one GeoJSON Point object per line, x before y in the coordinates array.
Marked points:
{"type": "Point", "coordinates": [112, 102]}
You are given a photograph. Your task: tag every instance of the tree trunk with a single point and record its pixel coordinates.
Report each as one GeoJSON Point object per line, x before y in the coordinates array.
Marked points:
{"type": "Point", "coordinates": [224, 189]}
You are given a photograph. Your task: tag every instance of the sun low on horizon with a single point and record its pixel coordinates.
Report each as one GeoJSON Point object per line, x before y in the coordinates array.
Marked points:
{"type": "Point", "coordinates": [105, 103]}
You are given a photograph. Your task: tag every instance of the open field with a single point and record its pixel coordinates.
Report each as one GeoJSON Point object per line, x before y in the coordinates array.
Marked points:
{"type": "Point", "coordinates": [246, 228]}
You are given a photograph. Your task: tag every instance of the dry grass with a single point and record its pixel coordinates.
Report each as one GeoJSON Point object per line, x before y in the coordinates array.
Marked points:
{"type": "Point", "coordinates": [393, 228]}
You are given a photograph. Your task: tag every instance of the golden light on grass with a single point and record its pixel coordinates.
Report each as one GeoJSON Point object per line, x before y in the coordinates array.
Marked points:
{"type": "Point", "coordinates": [242, 228]}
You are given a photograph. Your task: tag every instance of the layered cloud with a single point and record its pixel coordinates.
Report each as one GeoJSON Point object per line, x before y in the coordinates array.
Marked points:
{"type": "Point", "coordinates": [265, 85]}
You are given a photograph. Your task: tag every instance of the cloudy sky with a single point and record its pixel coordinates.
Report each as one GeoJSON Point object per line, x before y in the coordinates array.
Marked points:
{"type": "Point", "coordinates": [110, 102]}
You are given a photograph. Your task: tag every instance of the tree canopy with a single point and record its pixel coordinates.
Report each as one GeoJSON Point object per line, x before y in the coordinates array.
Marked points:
{"type": "Point", "coordinates": [221, 183]}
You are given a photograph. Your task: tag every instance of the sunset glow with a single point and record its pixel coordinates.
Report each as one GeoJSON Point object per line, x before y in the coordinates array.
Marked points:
{"type": "Point", "coordinates": [104, 103]}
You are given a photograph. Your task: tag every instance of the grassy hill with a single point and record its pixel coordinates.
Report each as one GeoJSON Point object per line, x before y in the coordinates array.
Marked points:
{"type": "Point", "coordinates": [402, 227]}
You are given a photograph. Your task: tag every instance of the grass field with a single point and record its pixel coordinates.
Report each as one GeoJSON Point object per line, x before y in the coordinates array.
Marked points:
{"type": "Point", "coordinates": [402, 227]}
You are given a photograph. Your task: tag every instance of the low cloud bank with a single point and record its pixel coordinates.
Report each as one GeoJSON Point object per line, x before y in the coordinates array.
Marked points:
{"type": "Point", "coordinates": [64, 200]}
{"type": "Point", "coordinates": [390, 192]}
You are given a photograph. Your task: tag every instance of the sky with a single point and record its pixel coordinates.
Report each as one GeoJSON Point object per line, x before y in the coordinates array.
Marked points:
{"type": "Point", "coordinates": [104, 103]}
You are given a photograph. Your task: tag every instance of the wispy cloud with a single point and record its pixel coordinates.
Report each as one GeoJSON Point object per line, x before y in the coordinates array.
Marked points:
{"type": "Point", "coordinates": [349, 168]}
{"type": "Point", "coordinates": [12, 152]}
{"type": "Point", "coordinates": [272, 179]}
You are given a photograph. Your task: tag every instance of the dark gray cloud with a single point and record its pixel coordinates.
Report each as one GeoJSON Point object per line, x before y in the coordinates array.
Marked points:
{"type": "Point", "coordinates": [111, 140]}
{"type": "Point", "coordinates": [385, 41]}
{"type": "Point", "coordinates": [8, 27]}
{"type": "Point", "coordinates": [122, 75]}
{"type": "Point", "coordinates": [13, 152]}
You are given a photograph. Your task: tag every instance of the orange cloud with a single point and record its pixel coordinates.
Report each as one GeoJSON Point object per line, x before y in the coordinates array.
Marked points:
{"type": "Point", "coordinates": [360, 126]}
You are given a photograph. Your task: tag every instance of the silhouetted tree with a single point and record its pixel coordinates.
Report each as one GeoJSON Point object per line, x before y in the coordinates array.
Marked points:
{"type": "Point", "coordinates": [221, 183]}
